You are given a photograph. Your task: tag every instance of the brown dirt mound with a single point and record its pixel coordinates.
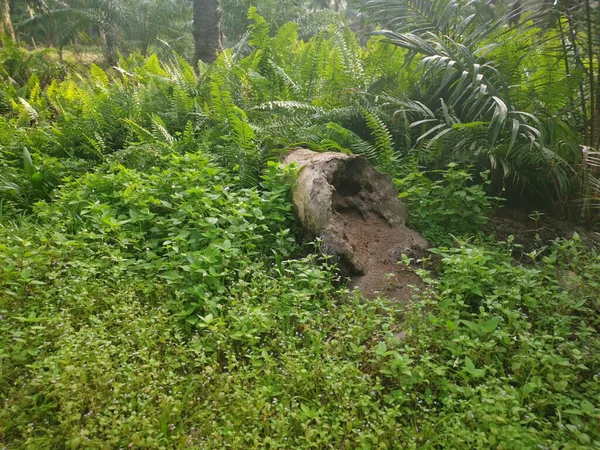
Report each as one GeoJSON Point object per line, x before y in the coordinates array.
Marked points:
{"type": "Point", "coordinates": [379, 249]}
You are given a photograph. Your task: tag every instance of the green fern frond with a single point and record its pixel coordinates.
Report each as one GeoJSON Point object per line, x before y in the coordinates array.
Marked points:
{"type": "Point", "coordinates": [383, 140]}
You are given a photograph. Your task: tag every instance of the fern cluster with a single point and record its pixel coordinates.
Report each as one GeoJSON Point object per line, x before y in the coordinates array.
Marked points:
{"type": "Point", "coordinates": [492, 103]}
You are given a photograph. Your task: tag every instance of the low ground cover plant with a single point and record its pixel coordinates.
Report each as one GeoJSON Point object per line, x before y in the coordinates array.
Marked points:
{"type": "Point", "coordinates": [169, 308]}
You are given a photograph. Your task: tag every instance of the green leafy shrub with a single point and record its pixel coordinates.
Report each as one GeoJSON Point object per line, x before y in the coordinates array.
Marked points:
{"type": "Point", "coordinates": [452, 204]}
{"type": "Point", "coordinates": [501, 355]}
{"type": "Point", "coordinates": [17, 64]}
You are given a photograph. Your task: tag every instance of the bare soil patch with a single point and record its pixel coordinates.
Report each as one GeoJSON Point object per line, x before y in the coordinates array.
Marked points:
{"type": "Point", "coordinates": [379, 248]}
{"type": "Point", "coordinates": [532, 230]}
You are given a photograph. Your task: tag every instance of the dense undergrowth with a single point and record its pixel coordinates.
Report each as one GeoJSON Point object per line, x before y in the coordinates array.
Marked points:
{"type": "Point", "coordinates": [165, 308]}
{"type": "Point", "coordinates": [154, 292]}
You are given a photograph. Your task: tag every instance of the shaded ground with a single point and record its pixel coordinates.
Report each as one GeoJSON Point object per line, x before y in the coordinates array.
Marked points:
{"type": "Point", "coordinates": [378, 247]}
{"type": "Point", "coordinates": [532, 230]}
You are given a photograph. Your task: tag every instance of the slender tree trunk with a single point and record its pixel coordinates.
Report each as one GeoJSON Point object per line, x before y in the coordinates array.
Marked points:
{"type": "Point", "coordinates": [112, 48]}
{"type": "Point", "coordinates": [596, 124]}
{"type": "Point", "coordinates": [565, 53]}
{"type": "Point", "coordinates": [573, 32]}
{"type": "Point", "coordinates": [592, 81]}
{"type": "Point", "coordinates": [109, 39]}
{"type": "Point", "coordinates": [6, 26]}
{"type": "Point", "coordinates": [516, 10]}
{"type": "Point", "coordinates": [207, 30]}
{"type": "Point", "coordinates": [596, 45]}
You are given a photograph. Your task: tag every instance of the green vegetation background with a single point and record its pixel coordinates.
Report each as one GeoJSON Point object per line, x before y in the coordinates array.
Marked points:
{"type": "Point", "coordinates": [155, 292]}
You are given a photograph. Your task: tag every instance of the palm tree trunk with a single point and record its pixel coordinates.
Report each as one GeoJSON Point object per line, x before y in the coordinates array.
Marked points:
{"type": "Point", "coordinates": [109, 40]}
{"type": "Point", "coordinates": [6, 26]}
{"type": "Point", "coordinates": [207, 30]}
{"type": "Point", "coordinates": [112, 47]}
